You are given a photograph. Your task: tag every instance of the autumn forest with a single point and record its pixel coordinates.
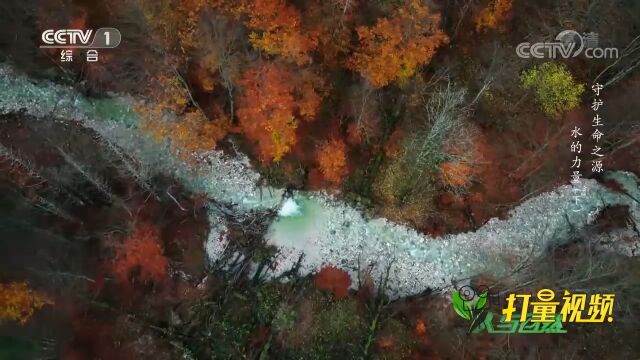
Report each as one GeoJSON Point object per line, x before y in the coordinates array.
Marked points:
{"type": "Point", "coordinates": [155, 204]}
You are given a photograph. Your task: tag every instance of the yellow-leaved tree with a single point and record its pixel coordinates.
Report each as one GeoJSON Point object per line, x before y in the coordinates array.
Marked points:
{"type": "Point", "coordinates": [495, 16]}
{"type": "Point", "coordinates": [18, 302]}
{"type": "Point", "coordinates": [554, 87]}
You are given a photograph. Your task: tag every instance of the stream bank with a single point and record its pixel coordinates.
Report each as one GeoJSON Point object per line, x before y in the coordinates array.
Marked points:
{"type": "Point", "coordinates": [324, 229]}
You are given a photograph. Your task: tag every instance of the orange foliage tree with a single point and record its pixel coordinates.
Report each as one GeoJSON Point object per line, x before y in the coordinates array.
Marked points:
{"type": "Point", "coordinates": [187, 130]}
{"type": "Point", "coordinates": [332, 160]}
{"type": "Point", "coordinates": [334, 280]}
{"type": "Point", "coordinates": [175, 22]}
{"type": "Point", "coordinates": [18, 302]}
{"type": "Point", "coordinates": [456, 174]}
{"type": "Point", "coordinates": [273, 101]}
{"type": "Point", "coordinates": [277, 30]}
{"type": "Point", "coordinates": [395, 47]}
{"type": "Point", "coordinates": [465, 155]}
{"type": "Point", "coordinates": [141, 253]}
{"type": "Point", "coordinates": [194, 133]}
{"type": "Point", "coordinates": [186, 16]}
{"type": "Point", "coordinates": [332, 24]}
{"type": "Point", "coordinates": [494, 16]}
{"type": "Point", "coordinates": [421, 327]}
{"type": "Point", "coordinates": [191, 133]}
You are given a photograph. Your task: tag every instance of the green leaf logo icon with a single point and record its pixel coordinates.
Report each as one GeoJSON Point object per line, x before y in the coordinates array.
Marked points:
{"type": "Point", "coordinates": [482, 301]}
{"type": "Point", "coordinates": [460, 305]}
{"type": "Point", "coordinates": [468, 306]}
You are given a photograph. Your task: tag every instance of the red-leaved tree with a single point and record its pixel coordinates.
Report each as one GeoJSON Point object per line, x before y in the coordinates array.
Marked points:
{"type": "Point", "coordinates": [334, 280]}
{"type": "Point", "coordinates": [140, 256]}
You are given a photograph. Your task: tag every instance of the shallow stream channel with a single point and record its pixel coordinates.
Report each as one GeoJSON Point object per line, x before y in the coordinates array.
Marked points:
{"type": "Point", "coordinates": [324, 229]}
